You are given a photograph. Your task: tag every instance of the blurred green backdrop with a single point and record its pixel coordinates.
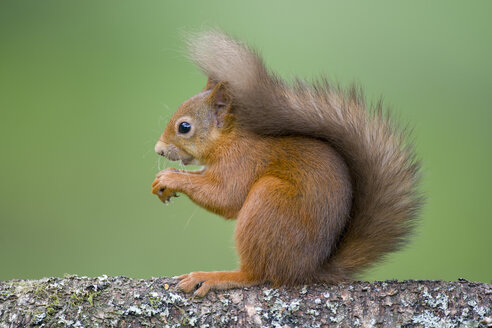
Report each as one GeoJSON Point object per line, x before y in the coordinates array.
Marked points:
{"type": "Point", "coordinates": [86, 88]}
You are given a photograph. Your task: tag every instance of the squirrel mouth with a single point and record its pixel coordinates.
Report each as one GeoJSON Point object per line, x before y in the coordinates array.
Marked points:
{"type": "Point", "coordinates": [190, 161]}
{"type": "Point", "coordinates": [173, 153]}
{"type": "Point", "coordinates": [174, 157]}
{"type": "Point", "coordinates": [185, 160]}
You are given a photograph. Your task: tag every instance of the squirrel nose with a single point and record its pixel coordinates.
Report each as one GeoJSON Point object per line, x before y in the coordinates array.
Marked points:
{"type": "Point", "coordinates": [160, 148]}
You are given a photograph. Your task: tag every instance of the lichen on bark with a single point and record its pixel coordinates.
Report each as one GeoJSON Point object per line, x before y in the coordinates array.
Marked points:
{"type": "Point", "coordinates": [123, 302]}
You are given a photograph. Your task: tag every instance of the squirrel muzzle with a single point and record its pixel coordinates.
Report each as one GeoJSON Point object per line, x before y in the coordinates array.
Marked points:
{"type": "Point", "coordinates": [173, 153]}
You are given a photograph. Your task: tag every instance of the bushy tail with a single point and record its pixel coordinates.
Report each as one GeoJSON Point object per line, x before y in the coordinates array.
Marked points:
{"type": "Point", "coordinates": [380, 157]}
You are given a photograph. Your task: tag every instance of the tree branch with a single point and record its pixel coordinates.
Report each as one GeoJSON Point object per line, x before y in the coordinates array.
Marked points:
{"type": "Point", "coordinates": [123, 302]}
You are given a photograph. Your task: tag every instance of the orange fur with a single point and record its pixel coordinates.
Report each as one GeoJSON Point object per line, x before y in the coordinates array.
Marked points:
{"type": "Point", "coordinates": [320, 188]}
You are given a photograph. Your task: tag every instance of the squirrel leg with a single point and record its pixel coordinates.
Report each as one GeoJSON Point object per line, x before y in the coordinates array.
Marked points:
{"type": "Point", "coordinates": [214, 280]}
{"type": "Point", "coordinates": [280, 234]}
{"type": "Point", "coordinates": [205, 189]}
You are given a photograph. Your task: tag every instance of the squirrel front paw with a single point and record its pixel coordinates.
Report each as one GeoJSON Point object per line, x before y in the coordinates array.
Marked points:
{"type": "Point", "coordinates": [160, 186]}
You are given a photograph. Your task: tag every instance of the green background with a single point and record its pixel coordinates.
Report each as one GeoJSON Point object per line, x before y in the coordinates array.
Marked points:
{"type": "Point", "coordinates": [86, 88]}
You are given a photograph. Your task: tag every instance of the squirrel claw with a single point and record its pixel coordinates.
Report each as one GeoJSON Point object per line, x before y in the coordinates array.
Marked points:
{"type": "Point", "coordinates": [165, 197]}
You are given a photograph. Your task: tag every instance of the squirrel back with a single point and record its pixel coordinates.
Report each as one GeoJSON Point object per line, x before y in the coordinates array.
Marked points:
{"type": "Point", "coordinates": [381, 160]}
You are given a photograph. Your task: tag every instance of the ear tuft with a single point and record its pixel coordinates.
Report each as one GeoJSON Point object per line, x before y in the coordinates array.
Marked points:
{"type": "Point", "coordinates": [220, 100]}
{"type": "Point", "coordinates": [210, 84]}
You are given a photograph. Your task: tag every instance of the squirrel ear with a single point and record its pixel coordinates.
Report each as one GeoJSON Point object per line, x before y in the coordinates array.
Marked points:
{"type": "Point", "coordinates": [210, 84]}
{"type": "Point", "coordinates": [220, 101]}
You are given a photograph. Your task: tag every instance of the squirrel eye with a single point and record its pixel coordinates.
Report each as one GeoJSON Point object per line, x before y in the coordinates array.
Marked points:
{"type": "Point", "coordinates": [184, 127]}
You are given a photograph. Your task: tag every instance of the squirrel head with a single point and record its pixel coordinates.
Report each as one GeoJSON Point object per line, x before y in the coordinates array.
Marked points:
{"type": "Point", "coordinates": [195, 127]}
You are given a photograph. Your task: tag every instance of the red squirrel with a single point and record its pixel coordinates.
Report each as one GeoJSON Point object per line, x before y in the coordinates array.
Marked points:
{"type": "Point", "coordinates": [321, 185]}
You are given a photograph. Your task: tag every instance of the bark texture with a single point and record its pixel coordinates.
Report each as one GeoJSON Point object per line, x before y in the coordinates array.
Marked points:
{"type": "Point", "coordinates": [123, 302]}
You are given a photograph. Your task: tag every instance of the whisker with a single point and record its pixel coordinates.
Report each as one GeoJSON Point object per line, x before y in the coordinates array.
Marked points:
{"type": "Point", "coordinates": [146, 153]}
{"type": "Point", "coordinates": [187, 174]}
{"type": "Point", "coordinates": [189, 219]}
